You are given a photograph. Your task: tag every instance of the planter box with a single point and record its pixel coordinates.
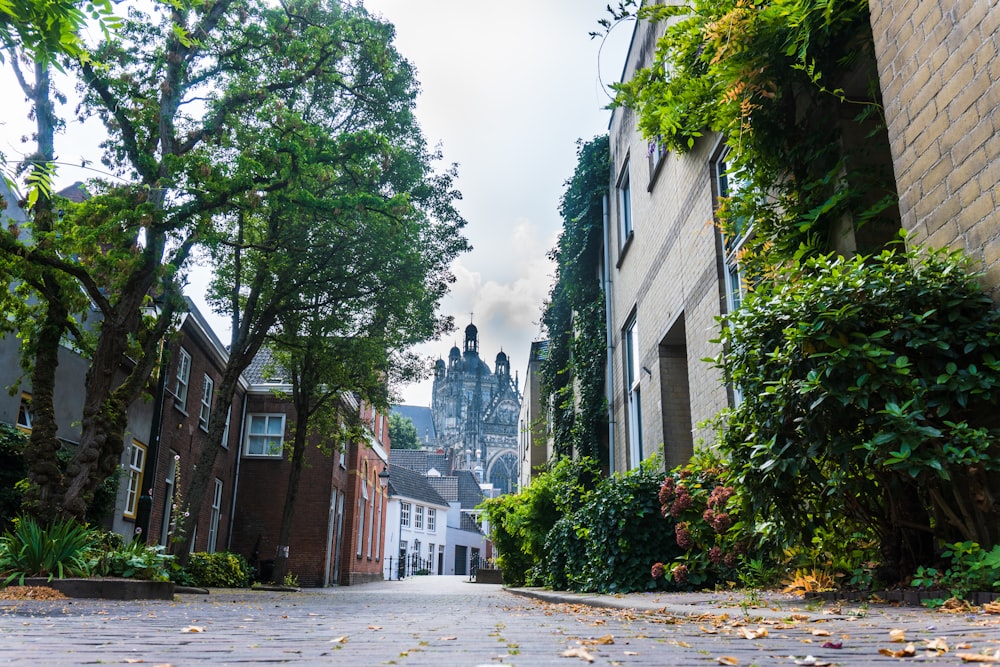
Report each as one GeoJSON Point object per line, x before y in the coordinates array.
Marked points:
{"type": "Point", "coordinates": [486, 575]}
{"type": "Point", "coordinates": [106, 588]}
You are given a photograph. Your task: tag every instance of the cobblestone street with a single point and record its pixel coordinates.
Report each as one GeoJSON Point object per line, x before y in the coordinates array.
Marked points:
{"type": "Point", "coordinates": [449, 621]}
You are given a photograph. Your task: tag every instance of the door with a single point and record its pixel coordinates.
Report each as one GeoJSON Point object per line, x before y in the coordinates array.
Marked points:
{"type": "Point", "coordinates": [461, 559]}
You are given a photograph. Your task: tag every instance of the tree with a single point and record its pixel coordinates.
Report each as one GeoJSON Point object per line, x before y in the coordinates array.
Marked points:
{"type": "Point", "coordinates": [402, 432]}
{"type": "Point", "coordinates": [359, 236]}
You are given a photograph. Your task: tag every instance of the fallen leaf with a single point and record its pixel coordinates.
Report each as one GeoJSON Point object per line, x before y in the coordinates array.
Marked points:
{"type": "Point", "coordinates": [374, 627]}
{"type": "Point", "coordinates": [978, 657]}
{"type": "Point", "coordinates": [606, 639]}
{"type": "Point", "coordinates": [833, 645]}
{"type": "Point", "coordinates": [938, 644]}
{"type": "Point", "coordinates": [748, 633]}
{"type": "Point", "coordinates": [708, 631]}
{"type": "Point", "coordinates": [631, 653]}
{"type": "Point", "coordinates": [809, 660]}
{"type": "Point", "coordinates": [447, 639]}
{"type": "Point", "coordinates": [897, 635]}
{"type": "Point", "coordinates": [578, 653]}
{"type": "Point", "coordinates": [339, 640]}
{"type": "Point", "coordinates": [194, 628]}
{"type": "Point", "coordinates": [727, 660]}
{"type": "Point", "coordinates": [907, 651]}
{"type": "Point", "coordinates": [992, 607]}
{"type": "Point", "coordinates": [821, 633]}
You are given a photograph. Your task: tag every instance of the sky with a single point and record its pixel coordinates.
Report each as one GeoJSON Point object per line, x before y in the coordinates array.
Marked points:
{"type": "Point", "coordinates": [508, 87]}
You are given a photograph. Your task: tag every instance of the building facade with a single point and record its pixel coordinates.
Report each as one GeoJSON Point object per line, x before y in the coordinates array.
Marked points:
{"type": "Point", "coordinates": [534, 436]}
{"type": "Point", "coordinates": [475, 412]}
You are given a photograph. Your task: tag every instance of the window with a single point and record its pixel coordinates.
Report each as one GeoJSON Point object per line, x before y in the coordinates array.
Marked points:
{"type": "Point", "coordinates": [633, 396]}
{"type": "Point", "coordinates": [624, 207]}
{"type": "Point", "coordinates": [379, 530]}
{"type": "Point", "coordinates": [24, 413]}
{"type": "Point", "coordinates": [371, 523]}
{"type": "Point", "coordinates": [656, 152]}
{"type": "Point", "coordinates": [362, 505]}
{"type": "Point", "coordinates": [418, 519]}
{"type": "Point", "coordinates": [431, 519]}
{"type": "Point", "coordinates": [207, 388]}
{"type": "Point", "coordinates": [183, 379]}
{"type": "Point", "coordinates": [213, 523]}
{"type": "Point", "coordinates": [727, 183]}
{"type": "Point", "coordinates": [430, 552]}
{"type": "Point", "coordinates": [136, 466]}
{"type": "Point", "coordinates": [404, 514]}
{"type": "Point", "coordinates": [225, 433]}
{"type": "Point", "coordinates": [265, 435]}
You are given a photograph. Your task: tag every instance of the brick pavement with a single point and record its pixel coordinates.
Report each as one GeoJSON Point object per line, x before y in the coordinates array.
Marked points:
{"type": "Point", "coordinates": [444, 621]}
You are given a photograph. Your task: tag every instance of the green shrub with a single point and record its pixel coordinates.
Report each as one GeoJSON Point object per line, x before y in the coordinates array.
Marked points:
{"type": "Point", "coordinates": [609, 543]}
{"type": "Point", "coordinates": [56, 551]}
{"type": "Point", "coordinates": [870, 390]}
{"type": "Point", "coordinates": [218, 570]}
{"type": "Point", "coordinates": [12, 471]}
{"type": "Point", "coordinates": [520, 523]}
{"type": "Point", "coordinates": [111, 556]}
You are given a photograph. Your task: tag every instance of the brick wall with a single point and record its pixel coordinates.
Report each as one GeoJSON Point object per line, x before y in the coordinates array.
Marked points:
{"type": "Point", "coordinates": [939, 68]}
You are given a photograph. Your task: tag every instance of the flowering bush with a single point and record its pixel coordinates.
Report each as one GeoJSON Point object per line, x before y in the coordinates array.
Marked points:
{"type": "Point", "coordinates": [703, 506]}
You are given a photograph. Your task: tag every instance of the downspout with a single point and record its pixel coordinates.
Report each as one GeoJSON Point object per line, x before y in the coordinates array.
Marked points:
{"type": "Point", "coordinates": [608, 315]}
{"type": "Point", "coordinates": [236, 475]}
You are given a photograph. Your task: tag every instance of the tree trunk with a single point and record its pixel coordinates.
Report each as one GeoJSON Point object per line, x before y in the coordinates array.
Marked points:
{"type": "Point", "coordinates": [291, 495]}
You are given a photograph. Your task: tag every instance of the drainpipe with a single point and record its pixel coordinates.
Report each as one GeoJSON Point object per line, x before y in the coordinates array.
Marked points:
{"type": "Point", "coordinates": [144, 507]}
{"type": "Point", "coordinates": [608, 315]}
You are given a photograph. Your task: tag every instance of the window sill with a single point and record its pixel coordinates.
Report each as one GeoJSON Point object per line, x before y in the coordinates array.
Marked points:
{"type": "Point", "coordinates": [179, 407]}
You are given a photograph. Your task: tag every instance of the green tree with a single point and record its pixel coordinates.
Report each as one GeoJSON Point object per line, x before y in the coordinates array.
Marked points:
{"type": "Point", "coordinates": [402, 432]}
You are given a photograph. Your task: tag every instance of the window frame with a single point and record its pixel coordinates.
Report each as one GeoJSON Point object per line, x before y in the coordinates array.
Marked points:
{"type": "Point", "coordinates": [207, 395]}
{"type": "Point", "coordinates": [633, 389]}
{"type": "Point", "coordinates": [24, 417]}
{"type": "Point", "coordinates": [136, 472]}
{"type": "Point", "coordinates": [404, 514]}
{"type": "Point", "coordinates": [432, 519]}
{"type": "Point", "coordinates": [271, 452]}
{"type": "Point", "coordinates": [418, 517]}
{"type": "Point", "coordinates": [213, 522]}
{"type": "Point", "coordinates": [623, 199]}
{"type": "Point", "coordinates": [182, 380]}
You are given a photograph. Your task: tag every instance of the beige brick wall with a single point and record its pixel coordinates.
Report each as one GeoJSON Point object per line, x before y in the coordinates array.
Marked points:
{"type": "Point", "coordinates": [667, 272]}
{"type": "Point", "coordinates": [939, 68]}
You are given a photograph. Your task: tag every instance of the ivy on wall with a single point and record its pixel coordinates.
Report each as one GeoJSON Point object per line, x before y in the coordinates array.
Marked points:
{"type": "Point", "coordinates": [573, 372]}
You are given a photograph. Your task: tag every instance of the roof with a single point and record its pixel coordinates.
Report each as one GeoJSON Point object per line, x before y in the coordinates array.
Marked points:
{"type": "Point", "coordinates": [420, 460]}
{"type": "Point", "coordinates": [469, 523]}
{"type": "Point", "coordinates": [469, 493]}
{"type": "Point", "coordinates": [422, 419]}
{"type": "Point", "coordinates": [447, 487]}
{"type": "Point", "coordinates": [409, 484]}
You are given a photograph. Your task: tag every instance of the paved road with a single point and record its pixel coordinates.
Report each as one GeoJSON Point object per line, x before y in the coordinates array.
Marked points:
{"type": "Point", "coordinates": [444, 621]}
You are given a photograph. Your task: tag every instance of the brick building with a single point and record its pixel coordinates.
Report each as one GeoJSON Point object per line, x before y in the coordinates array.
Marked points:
{"type": "Point", "coordinates": [939, 70]}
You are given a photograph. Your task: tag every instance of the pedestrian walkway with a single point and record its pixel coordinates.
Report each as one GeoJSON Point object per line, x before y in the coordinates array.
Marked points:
{"type": "Point", "coordinates": [444, 621]}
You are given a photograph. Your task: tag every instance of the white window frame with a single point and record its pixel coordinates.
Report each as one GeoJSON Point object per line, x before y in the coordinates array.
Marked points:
{"type": "Point", "coordinates": [623, 190]}
{"type": "Point", "coordinates": [169, 484]}
{"type": "Point", "coordinates": [213, 522]}
{"type": "Point", "coordinates": [264, 441]}
{"type": "Point", "coordinates": [362, 505]}
{"type": "Point", "coordinates": [431, 519]}
{"type": "Point", "coordinates": [24, 413]}
{"type": "Point", "coordinates": [404, 515]}
{"type": "Point", "coordinates": [182, 379]}
{"type": "Point", "coordinates": [205, 410]}
{"type": "Point", "coordinates": [630, 338]}
{"type": "Point", "coordinates": [136, 467]}
{"type": "Point", "coordinates": [371, 523]}
{"type": "Point", "coordinates": [379, 530]}
{"type": "Point", "coordinates": [418, 518]}
{"type": "Point", "coordinates": [225, 433]}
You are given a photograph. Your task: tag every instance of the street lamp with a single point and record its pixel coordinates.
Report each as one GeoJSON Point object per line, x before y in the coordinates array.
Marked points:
{"type": "Point", "coordinates": [383, 478]}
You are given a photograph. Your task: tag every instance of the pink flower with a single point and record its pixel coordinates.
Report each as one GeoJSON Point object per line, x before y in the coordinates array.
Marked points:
{"type": "Point", "coordinates": [722, 522]}
{"type": "Point", "coordinates": [680, 573]}
{"type": "Point", "coordinates": [666, 491]}
{"type": "Point", "coordinates": [715, 555]}
{"type": "Point", "coordinates": [657, 570]}
{"type": "Point", "coordinates": [683, 536]}
{"type": "Point", "coordinates": [682, 501]}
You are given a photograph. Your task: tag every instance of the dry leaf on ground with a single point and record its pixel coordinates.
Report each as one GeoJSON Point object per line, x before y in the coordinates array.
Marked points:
{"type": "Point", "coordinates": [897, 636]}
{"type": "Point", "coordinates": [374, 627]}
{"type": "Point", "coordinates": [448, 639]}
{"type": "Point", "coordinates": [978, 657]}
{"type": "Point", "coordinates": [938, 644]}
{"type": "Point", "coordinates": [750, 633]}
{"type": "Point", "coordinates": [194, 628]}
{"type": "Point", "coordinates": [907, 651]}
{"type": "Point", "coordinates": [339, 640]}
{"type": "Point", "coordinates": [727, 660]}
{"type": "Point", "coordinates": [821, 633]}
{"type": "Point", "coordinates": [606, 639]}
{"type": "Point", "coordinates": [578, 653]}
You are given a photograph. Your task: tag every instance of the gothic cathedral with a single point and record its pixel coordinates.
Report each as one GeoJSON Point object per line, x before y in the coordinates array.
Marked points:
{"type": "Point", "coordinates": [475, 414]}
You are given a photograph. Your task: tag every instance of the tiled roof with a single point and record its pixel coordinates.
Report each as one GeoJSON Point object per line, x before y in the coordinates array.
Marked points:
{"type": "Point", "coordinates": [469, 493]}
{"type": "Point", "coordinates": [409, 484]}
{"type": "Point", "coordinates": [447, 487]}
{"type": "Point", "coordinates": [413, 459]}
{"type": "Point", "coordinates": [469, 523]}
{"type": "Point", "coordinates": [422, 421]}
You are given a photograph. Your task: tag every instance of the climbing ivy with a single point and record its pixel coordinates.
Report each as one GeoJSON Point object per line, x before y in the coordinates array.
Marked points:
{"type": "Point", "coordinates": [792, 87]}
{"type": "Point", "coordinates": [573, 372]}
